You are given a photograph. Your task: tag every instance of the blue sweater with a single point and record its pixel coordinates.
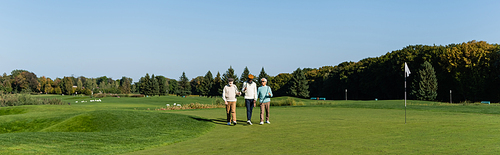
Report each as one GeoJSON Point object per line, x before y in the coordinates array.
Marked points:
{"type": "Point", "coordinates": [262, 94]}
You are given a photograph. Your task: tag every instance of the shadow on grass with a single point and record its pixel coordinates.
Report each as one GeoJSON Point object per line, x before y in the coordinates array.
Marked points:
{"type": "Point", "coordinates": [218, 121]}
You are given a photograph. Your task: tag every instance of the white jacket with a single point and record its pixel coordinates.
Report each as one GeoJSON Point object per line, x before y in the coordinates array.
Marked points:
{"type": "Point", "coordinates": [251, 92]}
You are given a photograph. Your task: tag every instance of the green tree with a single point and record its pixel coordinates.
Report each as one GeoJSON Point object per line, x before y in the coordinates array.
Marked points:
{"type": "Point", "coordinates": [298, 85]}
{"type": "Point", "coordinates": [145, 85]}
{"type": "Point", "coordinates": [125, 85]}
{"type": "Point", "coordinates": [162, 85]}
{"type": "Point", "coordinates": [184, 86]}
{"type": "Point", "coordinates": [67, 86]}
{"type": "Point", "coordinates": [58, 90]}
{"type": "Point", "coordinates": [244, 76]}
{"type": "Point", "coordinates": [206, 84]}
{"type": "Point", "coordinates": [217, 86]}
{"type": "Point", "coordinates": [196, 84]}
{"type": "Point", "coordinates": [173, 87]}
{"type": "Point", "coordinates": [280, 84]}
{"type": "Point", "coordinates": [79, 83]}
{"type": "Point", "coordinates": [230, 74]}
{"type": "Point", "coordinates": [425, 84]}
{"type": "Point", "coordinates": [88, 84]}
{"type": "Point", "coordinates": [156, 86]}
{"type": "Point", "coordinates": [263, 74]}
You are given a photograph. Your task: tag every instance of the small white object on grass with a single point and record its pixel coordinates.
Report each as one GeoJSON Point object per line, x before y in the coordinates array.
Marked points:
{"type": "Point", "coordinates": [168, 105]}
{"type": "Point", "coordinates": [178, 105]}
{"type": "Point", "coordinates": [76, 101]}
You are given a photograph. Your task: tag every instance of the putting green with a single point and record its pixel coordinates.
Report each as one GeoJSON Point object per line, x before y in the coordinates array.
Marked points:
{"type": "Point", "coordinates": [328, 130]}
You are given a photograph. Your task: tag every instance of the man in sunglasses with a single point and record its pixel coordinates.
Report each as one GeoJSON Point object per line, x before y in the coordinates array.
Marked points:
{"type": "Point", "coordinates": [264, 93]}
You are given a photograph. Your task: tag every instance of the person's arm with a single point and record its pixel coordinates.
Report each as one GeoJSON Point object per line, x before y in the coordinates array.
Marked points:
{"type": "Point", "coordinates": [255, 92]}
{"type": "Point", "coordinates": [243, 89]}
{"type": "Point", "coordinates": [270, 92]}
{"type": "Point", "coordinates": [224, 95]}
{"type": "Point", "coordinates": [258, 95]}
{"type": "Point", "coordinates": [236, 89]}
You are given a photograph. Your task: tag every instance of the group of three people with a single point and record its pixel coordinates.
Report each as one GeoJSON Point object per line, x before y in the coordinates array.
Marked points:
{"type": "Point", "coordinates": [263, 93]}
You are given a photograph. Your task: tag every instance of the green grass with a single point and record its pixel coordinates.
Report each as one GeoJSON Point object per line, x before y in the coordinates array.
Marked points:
{"type": "Point", "coordinates": [124, 125]}
{"type": "Point", "coordinates": [52, 130]}
{"type": "Point", "coordinates": [330, 130]}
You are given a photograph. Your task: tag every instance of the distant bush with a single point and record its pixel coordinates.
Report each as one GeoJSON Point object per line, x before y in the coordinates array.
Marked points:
{"type": "Point", "coordinates": [136, 95]}
{"type": "Point", "coordinates": [99, 95]}
{"type": "Point", "coordinates": [287, 102]}
{"type": "Point", "coordinates": [26, 99]}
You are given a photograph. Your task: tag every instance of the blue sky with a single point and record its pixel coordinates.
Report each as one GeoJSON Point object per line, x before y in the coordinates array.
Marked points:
{"type": "Point", "coordinates": [132, 38]}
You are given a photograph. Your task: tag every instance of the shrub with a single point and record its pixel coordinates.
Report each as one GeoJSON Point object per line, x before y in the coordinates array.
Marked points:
{"type": "Point", "coordinates": [26, 99]}
{"type": "Point", "coordinates": [99, 95]}
{"type": "Point", "coordinates": [136, 95]}
{"type": "Point", "coordinates": [287, 102]}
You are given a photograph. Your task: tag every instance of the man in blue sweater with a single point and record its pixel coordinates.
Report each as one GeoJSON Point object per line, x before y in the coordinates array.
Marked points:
{"type": "Point", "coordinates": [264, 94]}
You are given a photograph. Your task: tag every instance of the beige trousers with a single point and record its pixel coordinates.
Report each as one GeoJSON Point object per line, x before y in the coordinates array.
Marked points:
{"type": "Point", "coordinates": [264, 106]}
{"type": "Point", "coordinates": [231, 111]}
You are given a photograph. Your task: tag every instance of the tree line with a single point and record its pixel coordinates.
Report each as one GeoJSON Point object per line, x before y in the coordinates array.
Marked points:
{"type": "Point", "coordinates": [24, 81]}
{"type": "Point", "coordinates": [471, 71]}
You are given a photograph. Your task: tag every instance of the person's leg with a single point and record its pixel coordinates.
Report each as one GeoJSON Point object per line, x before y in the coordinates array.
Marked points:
{"type": "Point", "coordinates": [268, 104]}
{"type": "Point", "coordinates": [233, 110]}
{"type": "Point", "coordinates": [249, 108]}
{"type": "Point", "coordinates": [228, 116]}
{"type": "Point", "coordinates": [262, 107]}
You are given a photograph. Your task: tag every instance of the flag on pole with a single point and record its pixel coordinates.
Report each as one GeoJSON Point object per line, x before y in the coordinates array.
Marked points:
{"type": "Point", "coordinates": [407, 70]}
{"type": "Point", "coordinates": [407, 73]}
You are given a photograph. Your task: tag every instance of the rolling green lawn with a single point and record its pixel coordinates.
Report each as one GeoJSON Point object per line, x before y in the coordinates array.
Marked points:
{"type": "Point", "coordinates": [123, 125]}
{"type": "Point", "coordinates": [330, 130]}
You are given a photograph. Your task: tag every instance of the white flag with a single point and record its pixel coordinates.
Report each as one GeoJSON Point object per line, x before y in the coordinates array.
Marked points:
{"type": "Point", "coordinates": [407, 70]}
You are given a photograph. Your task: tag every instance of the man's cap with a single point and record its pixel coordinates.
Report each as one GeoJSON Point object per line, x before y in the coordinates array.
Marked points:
{"type": "Point", "coordinates": [230, 79]}
{"type": "Point", "coordinates": [250, 76]}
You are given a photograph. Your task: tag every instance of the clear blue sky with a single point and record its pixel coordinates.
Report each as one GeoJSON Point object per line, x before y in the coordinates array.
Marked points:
{"type": "Point", "coordinates": [132, 38]}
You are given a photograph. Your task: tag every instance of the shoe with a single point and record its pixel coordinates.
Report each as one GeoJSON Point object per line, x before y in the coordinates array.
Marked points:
{"type": "Point", "coordinates": [234, 122]}
{"type": "Point", "coordinates": [249, 122]}
{"type": "Point", "coordinates": [268, 122]}
{"type": "Point", "coordinates": [261, 123]}
{"type": "Point", "coordinates": [228, 123]}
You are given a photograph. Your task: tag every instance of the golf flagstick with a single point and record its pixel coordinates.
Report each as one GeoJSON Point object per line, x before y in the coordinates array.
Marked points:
{"type": "Point", "coordinates": [407, 73]}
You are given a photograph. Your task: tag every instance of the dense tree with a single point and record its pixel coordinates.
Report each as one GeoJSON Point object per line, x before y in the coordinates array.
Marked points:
{"type": "Point", "coordinates": [173, 87]}
{"type": "Point", "coordinates": [280, 84]}
{"type": "Point", "coordinates": [244, 77]}
{"type": "Point", "coordinates": [125, 85]}
{"type": "Point", "coordinates": [230, 74]}
{"type": "Point", "coordinates": [425, 84]}
{"type": "Point", "coordinates": [162, 85]}
{"type": "Point", "coordinates": [263, 74]}
{"type": "Point", "coordinates": [155, 86]}
{"type": "Point", "coordinates": [217, 86]}
{"type": "Point", "coordinates": [298, 85]}
{"type": "Point", "coordinates": [145, 85]}
{"type": "Point", "coordinates": [67, 86]}
{"type": "Point", "coordinates": [196, 84]}
{"type": "Point", "coordinates": [184, 86]}
{"type": "Point", "coordinates": [25, 81]}
{"type": "Point", "coordinates": [79, 83]}
{"type": "Point", "coordinates": [206, 84]}
{"type": "Point", "coordinates": [469, 64]}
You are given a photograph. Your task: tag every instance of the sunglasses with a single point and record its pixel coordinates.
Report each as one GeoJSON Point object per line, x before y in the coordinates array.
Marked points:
{"type": "Point", "coordinates": [262, 81]}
